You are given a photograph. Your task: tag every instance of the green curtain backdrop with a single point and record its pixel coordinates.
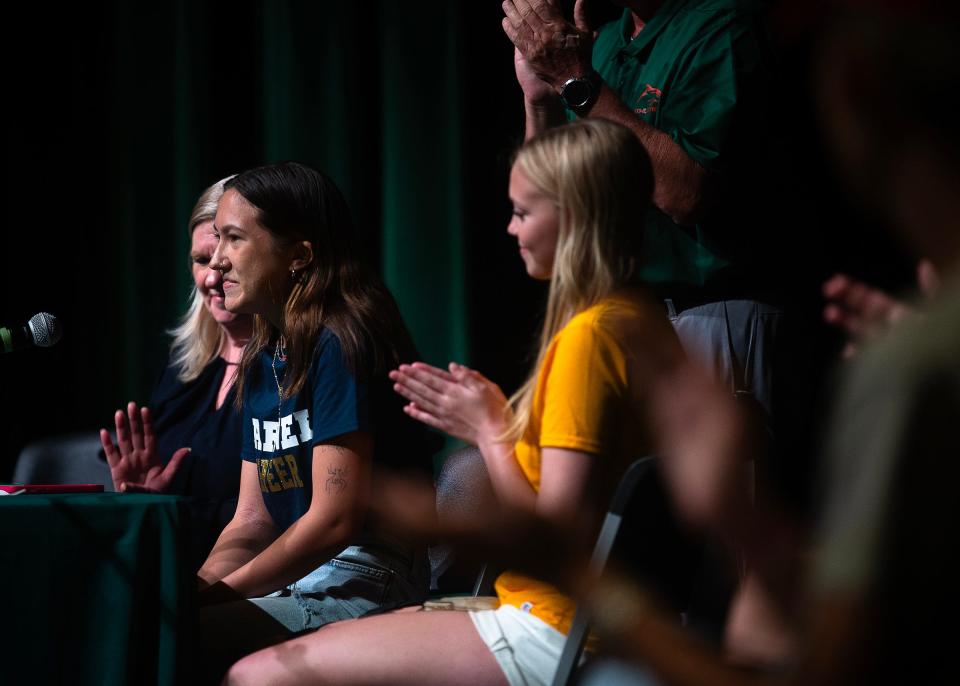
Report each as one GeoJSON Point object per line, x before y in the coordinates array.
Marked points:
{"type": "Point", "coordinates": [387, 129]}
{"type": "Point", "coordinates": [367, 95]}
{"type": "Point", "coordinates": [423, 236]}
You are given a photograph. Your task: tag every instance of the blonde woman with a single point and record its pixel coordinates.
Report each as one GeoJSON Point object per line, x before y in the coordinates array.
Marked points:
{"type": "Point", "coordinates": [187, 438]}
{"type": "Point", "coordinates": [555, 448]}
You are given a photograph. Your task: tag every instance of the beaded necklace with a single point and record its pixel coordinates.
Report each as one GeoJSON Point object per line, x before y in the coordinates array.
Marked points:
{"type": "Point", "coordinates": [279, 352]}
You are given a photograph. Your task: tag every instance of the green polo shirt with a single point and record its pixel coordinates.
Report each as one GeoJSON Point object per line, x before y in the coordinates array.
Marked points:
{"type": "Point", "coordinates": [690, 73]}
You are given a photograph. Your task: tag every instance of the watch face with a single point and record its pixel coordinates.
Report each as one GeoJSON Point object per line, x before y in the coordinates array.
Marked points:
{"type": "Point", "coordinates": [576, 93]}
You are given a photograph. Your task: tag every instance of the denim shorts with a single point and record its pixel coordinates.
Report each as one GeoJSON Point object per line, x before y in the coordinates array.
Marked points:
{"type": "Point", "coordinates": [347, 586]}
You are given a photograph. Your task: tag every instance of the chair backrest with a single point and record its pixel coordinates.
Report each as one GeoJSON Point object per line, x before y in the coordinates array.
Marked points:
{"type": "Point", "coordinates": [639, 527]}
{"type": "Point", "coordinates": [463, 487]}
{"type": "Point", "coordinates": [71, 459]}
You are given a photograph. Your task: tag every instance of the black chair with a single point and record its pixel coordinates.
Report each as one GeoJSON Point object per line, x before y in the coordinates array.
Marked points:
{"type": "Point", "coordinates": [463, 487]}
{"type": "Point", "coordinates": [640, 531]}
{"type": "Point", "coordinates": [71, 459]}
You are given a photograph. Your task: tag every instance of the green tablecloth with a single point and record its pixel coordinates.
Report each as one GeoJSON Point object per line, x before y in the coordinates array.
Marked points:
{"type": "Point", "coordinates": [97, 589]}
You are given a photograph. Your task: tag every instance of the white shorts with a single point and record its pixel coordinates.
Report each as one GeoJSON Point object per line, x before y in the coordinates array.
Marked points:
{"type": "Point", "coordinates": [527, 648]}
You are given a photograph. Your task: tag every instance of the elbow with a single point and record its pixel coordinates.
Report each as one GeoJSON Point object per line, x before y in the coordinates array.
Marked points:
{"type": "Point", "coordinates": [340, 529]}
{"type": "Point", "coordinates": [344, 532]}
{"type": "Point", "coordinates": [252, 517]}
{"type": "Point", "coordinates": [685, 206]}
{"type": "Point", "coordinates": [689, 197]}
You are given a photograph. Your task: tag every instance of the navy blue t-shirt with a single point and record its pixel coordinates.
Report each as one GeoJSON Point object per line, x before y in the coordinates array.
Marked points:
{"type": "Point", "coordinates": [279, 437]}
{"type": "Point", "coordinates": [185, 415]}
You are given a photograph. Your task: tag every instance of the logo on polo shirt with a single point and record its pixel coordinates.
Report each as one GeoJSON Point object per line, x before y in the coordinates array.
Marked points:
{"type": "Point", "coordinates": [649, 100]}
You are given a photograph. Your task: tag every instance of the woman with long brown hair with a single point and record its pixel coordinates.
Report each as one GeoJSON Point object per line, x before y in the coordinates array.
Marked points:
{"type": "Point", "coordinates": [317, 413]}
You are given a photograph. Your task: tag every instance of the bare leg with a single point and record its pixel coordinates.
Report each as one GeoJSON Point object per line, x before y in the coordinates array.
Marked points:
{"type": "Point", "coordinates": [416, 648]}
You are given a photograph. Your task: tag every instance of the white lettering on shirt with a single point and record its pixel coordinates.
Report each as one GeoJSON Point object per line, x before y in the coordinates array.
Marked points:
{"type": "Point", "coordinates": [271, 436]}
{"type": "Point", "coordinates": [289, 432]}
{"type": "Point", "coordinates": [303, 419]}
{"type": "Point", "coordinates": [257, 442]}
{"type": "Point", "coordinates": [287, 440]}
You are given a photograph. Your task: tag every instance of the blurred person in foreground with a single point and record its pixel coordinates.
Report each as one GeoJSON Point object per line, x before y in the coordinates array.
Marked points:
{"type": "Point", "coordinates": [187, 438]}
{"type": "Point", "coordinates": [881, 571]}
{"type": "Point", "coordinates": [882, 576]}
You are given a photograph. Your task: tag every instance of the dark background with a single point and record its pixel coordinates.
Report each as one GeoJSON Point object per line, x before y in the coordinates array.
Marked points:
{"type": "Point", "coordinates": [118, 114]}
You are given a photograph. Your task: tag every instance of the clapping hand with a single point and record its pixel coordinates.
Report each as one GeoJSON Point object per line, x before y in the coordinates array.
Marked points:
{"type": "Point", "coordinates": [133, 460]}
{"type": "Point", "coordinates": [458, 401]}
{"type": "Point", "coordinates": [862, 312]}
{"type": "Point", "coordinates": [535, 90]}
{"type": "Point", "coordinates": [865, 313]}
{"type": "Point", "coordinates": [548, 45]}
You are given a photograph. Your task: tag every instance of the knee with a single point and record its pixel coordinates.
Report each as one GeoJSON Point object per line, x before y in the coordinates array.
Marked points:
{"type": "Point", "coordinates": [249, 670]}
{"type": "Point", "coordinates": [279, 665]}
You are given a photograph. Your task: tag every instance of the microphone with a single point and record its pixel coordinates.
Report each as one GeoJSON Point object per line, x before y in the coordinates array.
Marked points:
{"type": "Point", "coordinates": [42, 331]}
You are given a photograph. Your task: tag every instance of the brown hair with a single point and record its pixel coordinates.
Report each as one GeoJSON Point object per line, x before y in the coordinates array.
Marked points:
{"type": "Point", "coordinates": [337, 290]}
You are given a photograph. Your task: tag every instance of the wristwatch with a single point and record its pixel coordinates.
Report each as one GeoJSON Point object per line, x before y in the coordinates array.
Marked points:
{"type": "Point", "coordinates": [580, 91]}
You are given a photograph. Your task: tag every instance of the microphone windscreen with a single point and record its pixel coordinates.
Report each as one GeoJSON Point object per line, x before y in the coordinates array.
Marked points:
{"type": "Point", "coordinates": [45, 329]}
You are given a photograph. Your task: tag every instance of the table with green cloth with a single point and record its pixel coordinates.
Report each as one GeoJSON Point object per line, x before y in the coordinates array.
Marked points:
{"type": "Point", "coordinates": [97, 589]}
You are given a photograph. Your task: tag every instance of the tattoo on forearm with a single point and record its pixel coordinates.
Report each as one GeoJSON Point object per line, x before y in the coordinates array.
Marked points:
{"type": "Point", "coordinates": [337, 480]}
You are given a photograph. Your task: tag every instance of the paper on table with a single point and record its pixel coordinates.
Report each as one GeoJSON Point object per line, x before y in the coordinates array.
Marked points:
{"type": "Point", "coordinates": [17, 489]}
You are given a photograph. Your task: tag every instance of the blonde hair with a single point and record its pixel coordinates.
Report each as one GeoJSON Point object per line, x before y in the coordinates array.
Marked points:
{"type": "Point", "coordinates": [197, 339]}
{"type": "Point", "coordinates": [599, 176]}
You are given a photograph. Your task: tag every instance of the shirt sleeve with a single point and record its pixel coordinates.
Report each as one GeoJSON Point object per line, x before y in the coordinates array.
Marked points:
{"type": "Point", "coordinates": [582, 390]}
{"type": "Point", "coordinates": [707, 96]}
{"type": "Point", "coordinates": [340, 402]}
{"type": "Point", "coordinates": [247, 451]}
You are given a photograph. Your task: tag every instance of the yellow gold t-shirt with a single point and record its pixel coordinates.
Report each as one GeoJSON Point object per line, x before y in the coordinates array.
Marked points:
{"type": "Point", "coordinates": [585, 399]}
